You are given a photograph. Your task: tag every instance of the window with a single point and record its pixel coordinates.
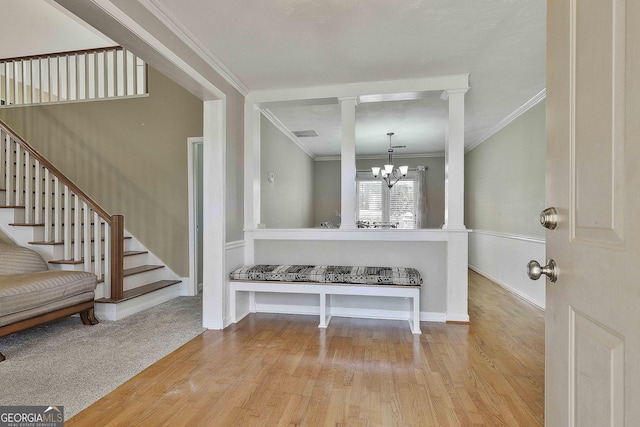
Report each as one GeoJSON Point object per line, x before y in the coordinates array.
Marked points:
{"type": "Point", "coordinates": [376, 203]}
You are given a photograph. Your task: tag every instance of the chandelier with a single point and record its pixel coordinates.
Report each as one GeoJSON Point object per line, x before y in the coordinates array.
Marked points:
{"type": "Point", "coordinates": [390, 174]}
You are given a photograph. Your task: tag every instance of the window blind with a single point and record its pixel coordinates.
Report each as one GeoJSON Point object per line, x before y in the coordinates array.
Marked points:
{"type": "Point", "coordinates": [376, 203]}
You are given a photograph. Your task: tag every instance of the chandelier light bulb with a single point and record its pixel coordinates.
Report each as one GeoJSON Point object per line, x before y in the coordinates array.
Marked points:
{"type": "Point", "coordinates": [390, 175]}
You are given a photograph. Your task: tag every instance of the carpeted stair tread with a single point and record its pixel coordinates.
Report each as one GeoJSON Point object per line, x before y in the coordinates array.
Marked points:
{"type": "Point", "coordinates": [141, 290]}
{"type": "Point", "coordinates": [73, 262]}
{"type": "Point", "coordinates": [62, 243]}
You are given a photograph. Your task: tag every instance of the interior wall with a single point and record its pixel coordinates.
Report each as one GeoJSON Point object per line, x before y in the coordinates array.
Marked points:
{"type": "Point", "coordinates": [327, 186]}
{"type": "Point", "coordinates": [234, 203]}
{"type": "Point", "coordinates": [287, 202]}
{"type": "Point", "coordinates": [505, 178]}
{"type": "Point", "coordinates": [504, 195]}
{"type": "Point", "coordinates": [129, 155]}
{"type": "Point", "coordinates": [430, 258]}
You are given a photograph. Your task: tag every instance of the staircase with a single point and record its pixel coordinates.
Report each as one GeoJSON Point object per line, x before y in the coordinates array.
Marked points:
{"type": "Point", "coordinates": [42, 209]}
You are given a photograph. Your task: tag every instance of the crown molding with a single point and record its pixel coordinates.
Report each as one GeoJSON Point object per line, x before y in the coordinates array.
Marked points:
{"type": "Point", "coordinates": [540, 96]}
{"type": "Point", "coordinates": [174, 25]}
{"type": "Point", "coordinates": [282, 128]}
{"type": "Point", "coordinates": [381, 157]}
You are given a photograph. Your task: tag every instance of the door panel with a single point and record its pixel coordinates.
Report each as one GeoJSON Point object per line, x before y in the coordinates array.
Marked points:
{"type": "Point", "coordinates": [593, 180]}
{"type": "Point", "coordinates": [597, 110]}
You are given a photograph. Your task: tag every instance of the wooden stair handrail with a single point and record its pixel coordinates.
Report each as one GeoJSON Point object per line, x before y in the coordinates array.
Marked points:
{"type": "Point", "coordinates": [66, 181]}
{"type": "Point", "coordinates": [59, 54]}
{"type": "Point", "coordinates": [116, 222]}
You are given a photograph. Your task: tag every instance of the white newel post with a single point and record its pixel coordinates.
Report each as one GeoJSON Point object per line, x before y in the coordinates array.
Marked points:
{"type": "Point", "coordinates": [348, 163]}
{"type": "Point", "coordinates": [458, 242]}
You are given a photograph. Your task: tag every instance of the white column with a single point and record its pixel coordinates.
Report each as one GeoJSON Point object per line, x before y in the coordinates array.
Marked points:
{"type": "Point", "coordinates": [214, 223]}
{"type": "Point", "coordinates": [252, 174]}
{"type": "Point", "coordinates": [348, 163]}
{"type": "Point", "coordinates": [458, 239]}
{"type": "Point", "coordinates": [252, 177]}
{"type": "Point", "coordinates": [454, 162]}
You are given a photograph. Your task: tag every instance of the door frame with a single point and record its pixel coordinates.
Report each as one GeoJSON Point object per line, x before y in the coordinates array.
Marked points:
{"type": "Point", "coordinates": [192, 159]}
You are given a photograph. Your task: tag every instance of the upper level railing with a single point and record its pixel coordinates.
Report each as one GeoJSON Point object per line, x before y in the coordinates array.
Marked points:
{"type": "Point", "coordinates": [83, 75]}
{"type": "Point", "coordinates": [89, 234]}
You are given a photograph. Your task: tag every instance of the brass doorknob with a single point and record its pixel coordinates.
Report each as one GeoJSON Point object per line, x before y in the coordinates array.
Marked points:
{"type": "Point", "coordinates": [534, 270]}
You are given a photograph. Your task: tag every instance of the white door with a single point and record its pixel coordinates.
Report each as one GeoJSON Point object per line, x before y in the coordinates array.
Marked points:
{"type": "Point", "coordinates": [593, 179]}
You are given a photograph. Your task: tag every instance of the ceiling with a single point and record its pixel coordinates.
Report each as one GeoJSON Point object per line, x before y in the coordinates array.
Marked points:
{"type": "Point", "coordinates": [272, 44]}
{"type": "Point", "coordinates": [58, 29]}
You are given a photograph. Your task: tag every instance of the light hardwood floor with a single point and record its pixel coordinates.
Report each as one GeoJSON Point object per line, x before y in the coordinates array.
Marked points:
{"type": "Point", "coordinates": [281, 370]}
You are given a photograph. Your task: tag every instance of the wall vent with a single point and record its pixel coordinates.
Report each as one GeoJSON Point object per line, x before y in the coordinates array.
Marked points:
{"type": "Point", "coordinates": [305, 133]}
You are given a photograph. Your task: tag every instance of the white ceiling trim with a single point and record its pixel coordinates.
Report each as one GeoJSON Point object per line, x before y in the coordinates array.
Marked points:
{"type": "Point", "coordinates": [539, 97]}
{"type": "Point", "coordinates": [121, 17]}
{"type": "Point", "coordinates": [282, 128]}
{"type": "Point", "coordinates": [173, 24]}
{"type": "Point", "coordinates": [381, 157]}
{"type": "Point", "coordinates": [427, 84]}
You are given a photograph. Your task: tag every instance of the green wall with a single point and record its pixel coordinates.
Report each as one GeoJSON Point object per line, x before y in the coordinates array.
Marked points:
{"type": "Point", "coordinates": [129, 155]}
{"type": "Point", "coordinates": [287, 202]}
{"type": "Point", "coordinates": [505, 178]}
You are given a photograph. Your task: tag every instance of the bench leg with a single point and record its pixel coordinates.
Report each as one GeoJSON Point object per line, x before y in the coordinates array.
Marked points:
{"type": "Point", "coordinates": [414, 322]}
{"type": "Point", "coordinates": [252, 302]}
{"type": "Point", "coordinates": [325, 311]}
{"type": "Point", "coordinates": [232, 307]}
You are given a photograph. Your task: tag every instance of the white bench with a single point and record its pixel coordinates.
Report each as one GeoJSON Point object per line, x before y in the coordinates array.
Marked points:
{"type": "Point", "coordinates": [325, 291]}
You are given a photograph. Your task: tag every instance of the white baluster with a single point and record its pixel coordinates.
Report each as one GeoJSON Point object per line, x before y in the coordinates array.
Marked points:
{"type": "Point", "coordinates": [68, 78]}
{"type": "Point", "coordinates": [107, 259]}
{"type": "Point", "coordinates": [48, 206]}
{"type": "Point", "coordinates": [9, 171]}
{"type": "Point", "coordinates": [38, 192]}
{"type": "Point", "coordinates": [67, 229]}
{"type": "Point", "coordinates": [3, 86]}
{"type": "Point", "coordinates": [17, 72]}
{"type": "Point", "coordinates": [31, 98]}
{"type": "Point", "coordinates": [57, 212]}
{"type": "Point", "coordinates": [115, 73]}
{"type": "Point", "coordinates": [105, 61]}
{"type": "Point", "coordinates": [87, 238]}
{"type": "Point", "coordinates": [40, 81]}
{"type": "Point", "coordinates": [125, 72]}
{"type": "Point", "coordinates": [87, 81]}
{"type": "Point", "coordinates": [134, 75]}
{"type": "Point", "coordinates": [19, 176]}
{"type": "Point", "coordinates": [77, 230]}
{"type": "Point", "coordinates": [3, 158]}
{"type": "Point", "coordinates": [28, 190]}
{"type": "Point", "coordinates": [97, 245]}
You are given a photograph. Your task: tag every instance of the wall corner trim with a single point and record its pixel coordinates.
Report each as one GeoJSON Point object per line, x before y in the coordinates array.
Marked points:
{"type": "Point", "coordinates": [164, 16]}
{"type": "Point", "coordinates": [537, 98]}
{"type": "Point", "coordinates": [282, 128]}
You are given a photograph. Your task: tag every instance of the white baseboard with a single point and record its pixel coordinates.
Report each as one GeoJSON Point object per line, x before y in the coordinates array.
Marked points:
{"type": "Point", "coordinates": [362, 313]}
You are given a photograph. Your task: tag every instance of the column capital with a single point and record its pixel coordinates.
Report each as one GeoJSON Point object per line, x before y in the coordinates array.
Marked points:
{"type": "Point", "coordinates": [348, 98]}
{"type": "Point", "coordinates": [445, 93]}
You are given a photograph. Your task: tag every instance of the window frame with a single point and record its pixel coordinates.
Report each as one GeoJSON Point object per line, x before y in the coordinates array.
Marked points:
{"type": "Point", "coordinates": [366, 176]}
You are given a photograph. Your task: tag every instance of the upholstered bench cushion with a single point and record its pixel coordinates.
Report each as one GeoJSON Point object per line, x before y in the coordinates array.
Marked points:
{"type": "Point", "coordinates": [20, 292]}
{"type": "Point", "coordinates": [402, 276]}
